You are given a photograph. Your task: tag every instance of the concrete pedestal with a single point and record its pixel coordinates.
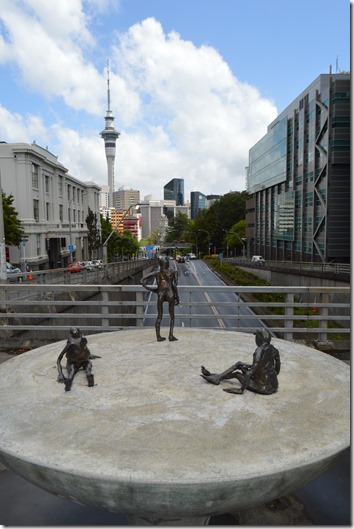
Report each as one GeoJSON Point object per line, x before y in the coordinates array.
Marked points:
{"type": "Point", "coordinates": [154, 441]}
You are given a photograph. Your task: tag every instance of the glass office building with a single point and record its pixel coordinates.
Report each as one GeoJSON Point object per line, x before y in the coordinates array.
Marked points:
{"type": "Point", "coordinates": [198, 203]}
{"type": "Point", "coordinates": [174, 190]}
{"type": "Point", "coordinates": [299, 177]}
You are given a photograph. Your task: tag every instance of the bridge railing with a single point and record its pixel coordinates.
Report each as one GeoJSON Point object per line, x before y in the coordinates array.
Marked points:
{"type": "Point", "coordinates": [86, 275]}
{"type": "Point", "coordinates": [305, 266]}
{"type": "Point", "coordinates": [317, 312]}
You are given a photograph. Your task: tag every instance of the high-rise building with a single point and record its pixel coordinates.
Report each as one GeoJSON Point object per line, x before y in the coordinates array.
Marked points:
{"type": "Point", "coordinates": [198, 203]}
{"type": "Point", "coordinates": [110, 135]}
{"type": "Point", "coordinates": [174, 190]}
{"type": "Point", "coordinates": [124, 198]}
{"type": "Point", "coordinates": [104, 196]}
{"type": "Point", "coordinates": [299, 176]}
{"type": "Point", "coordinates": [156, 213]}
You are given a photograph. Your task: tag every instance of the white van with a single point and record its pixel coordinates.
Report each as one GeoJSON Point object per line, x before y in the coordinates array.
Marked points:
{"type": "Point", "coordinates": [257, 259]}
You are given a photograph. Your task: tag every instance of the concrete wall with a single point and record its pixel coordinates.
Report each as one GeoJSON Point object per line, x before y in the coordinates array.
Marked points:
{"type": "Point", "coordinates": [294, 278]}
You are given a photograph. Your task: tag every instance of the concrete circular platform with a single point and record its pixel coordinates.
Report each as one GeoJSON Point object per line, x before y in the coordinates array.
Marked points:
{"type": "Point", "coordinates": [154, 441]}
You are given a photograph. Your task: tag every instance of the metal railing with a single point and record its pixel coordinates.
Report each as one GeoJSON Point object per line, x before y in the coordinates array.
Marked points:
{"type": "Point", "coordinates": [319, 312]}
{"type": "Point", "coordinates": [86, 275]}
{"type": "Point", "coordinates": [332, 268]}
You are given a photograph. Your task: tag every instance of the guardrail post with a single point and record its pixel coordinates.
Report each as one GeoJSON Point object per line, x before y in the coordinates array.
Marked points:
{"type": "Point", "coordinates": [289, 313]}
{"type": "Point", "coordinates": [105, 311]}
{"type": "Point", "coordinates": [323, 323]}
{"type": "Point", "coordinates": [190, 308]}
{"type": "Point", "coordinates": [139, 297]}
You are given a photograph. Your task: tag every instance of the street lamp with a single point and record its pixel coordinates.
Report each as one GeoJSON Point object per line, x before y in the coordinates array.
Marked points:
{"type": "Point", "coordinates": [104, 246]}
{"type": "Point", "coordinates": [243, 244]}
{"type": "Point", "coordinates": [206, 231]}
{"type": "Point", "coordinates": [227, 242]}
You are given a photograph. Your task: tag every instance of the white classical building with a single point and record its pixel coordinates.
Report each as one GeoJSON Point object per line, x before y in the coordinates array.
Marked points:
{"type": "Point", "coordinates": [51, 204]}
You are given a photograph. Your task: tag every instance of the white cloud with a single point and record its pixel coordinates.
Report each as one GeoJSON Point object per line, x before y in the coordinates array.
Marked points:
{"type": "Point", "coordinates": [210, 118]}
{"type": "Point", "coordinates": [21, 129]}
{"type": "Point", "coordinates": [180, 110]}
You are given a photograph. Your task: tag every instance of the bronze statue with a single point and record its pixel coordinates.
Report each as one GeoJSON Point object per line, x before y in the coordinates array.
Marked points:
{"type": "Point", "coordinates": [260, 376]}
{"type": "Point", "coordinates": [78, 357]}
{"type": "Point", "coordinates": [166, 290]}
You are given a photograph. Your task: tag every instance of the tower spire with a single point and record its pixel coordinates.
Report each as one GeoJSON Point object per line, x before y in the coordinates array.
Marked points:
{"type": "Point", "coordinates": [108, 91]}
{"type": "Point", "coordinates": [110, 136]}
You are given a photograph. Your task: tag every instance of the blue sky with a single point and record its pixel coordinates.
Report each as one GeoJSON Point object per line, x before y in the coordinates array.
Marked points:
{"type": "Point", "coordinates": [194, 83]}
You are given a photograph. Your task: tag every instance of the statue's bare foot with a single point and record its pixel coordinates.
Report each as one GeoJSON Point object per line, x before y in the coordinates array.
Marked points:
{"type": "Point", "coordinates": [68, 382]}
{"type": "Point", "coordinates": [213, 379]}
{"type": "Point", "coordinates": [172, 338]}
{"type": "Point", "coordinates": [205, 371]}
{"type": "Point", "coordinates": [160, 339]}
{"type": "Point", "coordinates": [238, 391]}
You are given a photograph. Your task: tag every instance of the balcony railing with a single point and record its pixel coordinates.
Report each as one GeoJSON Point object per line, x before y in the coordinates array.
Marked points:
{"type": "Point", "coordinates": [317, 312]}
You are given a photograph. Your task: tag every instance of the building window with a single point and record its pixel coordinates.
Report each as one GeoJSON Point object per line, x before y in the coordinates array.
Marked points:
{"type": "Point", "coordinates": [35, 176]}
{"type": "Point", "coordinates": [38, 244]}
{"type": "Point", "coordinates": [36, 210]}
{"type": "Point", "coordinates": [47, 184]}
{"type": "Point", "coordinates": [60, 186]}
{"type": "Point", "coordinates": [47, 211]}
{"type": "Point", "coordinates": [61, 216]}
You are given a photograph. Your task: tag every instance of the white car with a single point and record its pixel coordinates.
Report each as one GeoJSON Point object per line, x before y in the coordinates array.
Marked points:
{"type": "Point", "coordinates": [11, 270]}
{"type": "Point", "coordinates": [97, 263]}
{"type": "Point", "coordinates": [257, 259]}
{"type": "Point", "coordinates": [191, 256]}
{"type": "Point", "coordinates": [88, 265]}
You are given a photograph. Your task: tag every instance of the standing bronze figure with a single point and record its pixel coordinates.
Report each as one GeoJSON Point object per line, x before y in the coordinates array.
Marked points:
{"type": "Point", "coordinates": [78, 357]}
{"type": "Point", "coordinates": [261, 376]}
{"type": "Point", "coordinates": [166, 290]}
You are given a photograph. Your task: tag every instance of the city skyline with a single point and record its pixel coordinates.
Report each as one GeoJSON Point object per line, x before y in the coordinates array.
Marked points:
{"type": "Point", "coordinates": [193, 85]}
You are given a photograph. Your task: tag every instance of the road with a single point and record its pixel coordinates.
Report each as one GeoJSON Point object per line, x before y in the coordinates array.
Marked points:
{"type": "Point", "coordinates": [194, 273]}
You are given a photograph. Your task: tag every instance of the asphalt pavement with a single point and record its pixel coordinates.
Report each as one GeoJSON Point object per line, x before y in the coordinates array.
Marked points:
{"type": "Point", "coordinates": [324, 501]}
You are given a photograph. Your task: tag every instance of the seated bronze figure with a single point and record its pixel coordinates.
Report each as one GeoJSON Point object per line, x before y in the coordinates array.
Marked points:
{"type": "Point", "coordinates": [166, 290]}
{"type": "Point", "coordinates": [78, 357]}
{"type": "Point", "coordinates": [261, 376]}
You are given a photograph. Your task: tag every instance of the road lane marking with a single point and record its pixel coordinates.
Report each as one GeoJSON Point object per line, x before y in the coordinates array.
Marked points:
{"type": "Point", "coordinates": [212, 306]}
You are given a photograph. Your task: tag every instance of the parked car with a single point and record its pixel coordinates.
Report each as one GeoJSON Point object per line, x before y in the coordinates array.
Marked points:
{"type": "Point", "coordinates": [257, 259]}
{"type": "Point", "coordinates": [190, 256]}
{"type": "Point", "coordinates": [97, 262]}
{"type": "Point", "coordinates": [74, 267]}
{"type": "Point", "coordinates": [88, 265]}
{"type": "Point", "coordinates": [180, 259]}
{"type": "Point", "coordinates": [11, 270]}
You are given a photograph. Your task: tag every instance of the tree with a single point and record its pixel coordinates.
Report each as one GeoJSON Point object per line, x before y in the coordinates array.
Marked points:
{"type": "Point", "coordinates": [106, 230]}
{"type": "Point", "coordinates": [154, 237]}
{"type": "Point", "coordinates": [128, 245]}
{"type": "Point", "coordinates": [177, 226]}
{"type": "Point", "coordinates": [118, 245]}
{"type": "Point", "coordinates": [13, 228]}
{"type": "Point", "coordinates": [236, 234]}
{"type": "Point", "coordinates": [222, 214]}
{"type": "Point", "coordinates": [94, 238]}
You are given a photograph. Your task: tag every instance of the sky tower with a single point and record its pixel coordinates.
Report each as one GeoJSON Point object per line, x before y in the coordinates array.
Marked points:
{"type": "Point", "coordinates": [110, 135]}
